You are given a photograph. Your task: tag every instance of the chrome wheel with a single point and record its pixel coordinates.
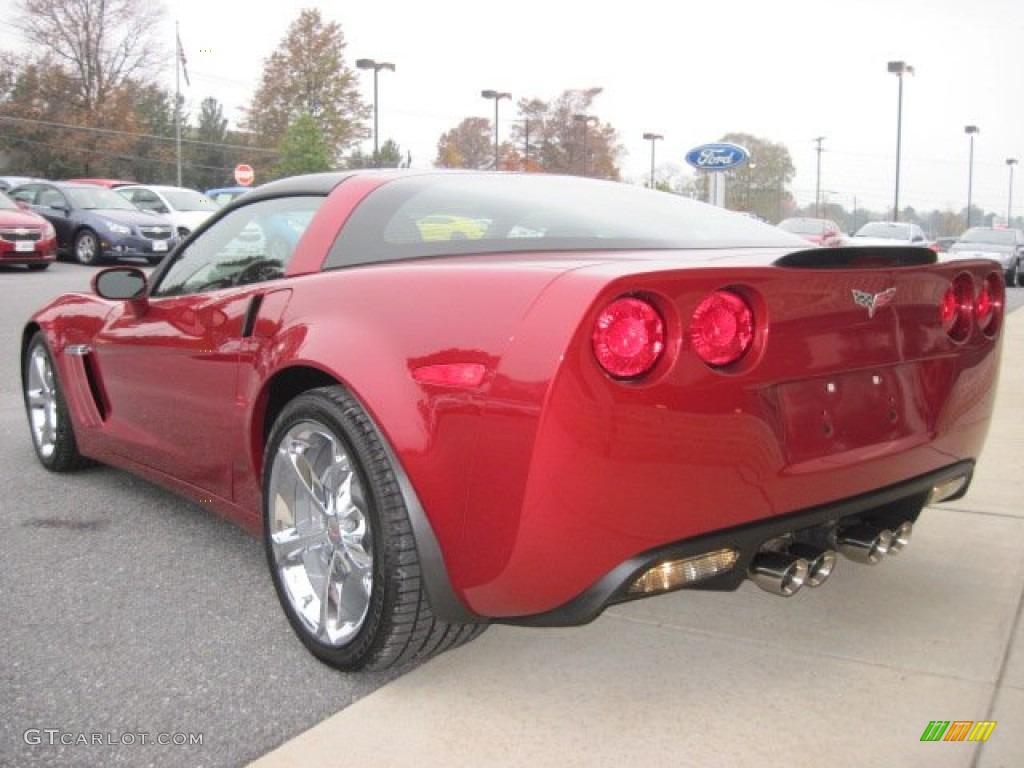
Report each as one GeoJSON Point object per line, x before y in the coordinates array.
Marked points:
{"type": "Point", "coordinates": [41, 399]}
{"type": "Point", "coordinates": [339, 540]}
{"type": "Point", "coordinates": [320, 539]}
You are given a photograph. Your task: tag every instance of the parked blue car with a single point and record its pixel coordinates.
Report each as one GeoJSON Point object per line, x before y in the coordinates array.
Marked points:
{"type": "Point", "coordinates": [96, 224]}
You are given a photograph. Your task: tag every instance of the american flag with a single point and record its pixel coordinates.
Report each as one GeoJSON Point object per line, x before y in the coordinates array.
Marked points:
{"type": "Point", "coordinates": [181, 57]}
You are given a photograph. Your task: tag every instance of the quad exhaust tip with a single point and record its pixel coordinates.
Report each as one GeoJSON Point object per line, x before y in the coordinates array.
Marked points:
{"type": "Point", "coordinates": [901, 537]}
{"type": "Point", "coordinates": [786, 570]}
{"type": "Point", "coordinates": [780, 573]}
{"type": "Point", "coordinates": [820, 562]}
{"type": "Point", "coordinates": [869, 544]}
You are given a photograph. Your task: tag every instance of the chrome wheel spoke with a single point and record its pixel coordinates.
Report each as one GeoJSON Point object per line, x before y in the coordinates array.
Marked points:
{"type": "Point", "coordinates": [291, 544]}
{"type": "Point", "coordinates": [320, 537]}
{"type": "Point", "coordinates": [41, 397]}
{"type": "Point", "coordinates": [306, 477]}
{"type": "Point", "coordinates": [355, 595]}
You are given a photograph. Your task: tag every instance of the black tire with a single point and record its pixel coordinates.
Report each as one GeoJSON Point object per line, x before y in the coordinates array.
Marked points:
{"type": "Point", "coordinates": [323, 442]}
{"type": "Point", "coordinates": [86, 248]}
{"type": "Point", "coordinates": [39, 267]}
{"type": "Point", "coordinates": [53, 435]}
{"type": "Point", "coordinates": [154, 260]}
{"type": "Point", "coordinates": [1020, 275]}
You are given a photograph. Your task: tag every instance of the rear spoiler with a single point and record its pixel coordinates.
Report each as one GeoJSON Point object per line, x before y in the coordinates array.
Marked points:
{"type": "Point", "coordinates": [861, 256]}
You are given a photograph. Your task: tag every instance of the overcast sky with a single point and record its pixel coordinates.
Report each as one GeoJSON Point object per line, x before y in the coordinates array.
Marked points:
{"type": "Point", "coordinates": [783, 70]}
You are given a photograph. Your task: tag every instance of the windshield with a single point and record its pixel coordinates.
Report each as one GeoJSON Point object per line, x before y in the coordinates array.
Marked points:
{"type": "Point", "coordinates": [6, 204]}
{"type": "Point", "coordinates": [502, 213]}
{"type": "Point", "coordinates": [988, 236]}
{"type": "Point", "coordinates": [890, 230]}
{"type": "Point", "coordinates": [99, 198]}
{"type": "Point", "coordinates": [188, 200]}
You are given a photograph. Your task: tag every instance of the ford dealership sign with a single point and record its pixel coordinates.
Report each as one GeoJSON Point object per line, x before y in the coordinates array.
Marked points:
{"type": "Point", "coordinates": [717, 157]}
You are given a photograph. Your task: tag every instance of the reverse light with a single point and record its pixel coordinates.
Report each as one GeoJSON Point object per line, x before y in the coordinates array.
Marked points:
{"type": "Point", "coordinates": [628, 338]}
{"type": "Point", "coordinates": [722, 328]}
{"type": "Point", "coordinates": [672, 574]}
{"type": "Point", "coordinates": [988, 308]}
{"type": "Point", "coordinates": [957, 307]}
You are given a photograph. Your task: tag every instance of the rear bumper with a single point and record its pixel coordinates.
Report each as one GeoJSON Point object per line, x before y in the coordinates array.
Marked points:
{"type": "Point", "coordinates": [887, 506]}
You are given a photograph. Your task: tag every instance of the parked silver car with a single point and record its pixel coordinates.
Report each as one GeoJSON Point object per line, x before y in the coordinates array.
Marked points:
{"type": "Point", "coordinates": [999, 244]}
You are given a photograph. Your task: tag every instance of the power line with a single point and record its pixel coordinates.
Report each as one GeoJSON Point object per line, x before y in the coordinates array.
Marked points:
{"type": "Point", "coordinates": [128, 158]}
{"type": "Point", "coordinates": [129, 134]}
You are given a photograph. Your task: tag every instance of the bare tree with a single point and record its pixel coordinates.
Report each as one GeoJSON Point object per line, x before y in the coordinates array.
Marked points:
{"type": "Point", "coordinates": [100, 43]}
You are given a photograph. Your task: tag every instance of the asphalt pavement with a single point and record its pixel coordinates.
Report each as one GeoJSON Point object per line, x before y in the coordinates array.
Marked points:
{"type": "Point", "coordinates": [131, 616]}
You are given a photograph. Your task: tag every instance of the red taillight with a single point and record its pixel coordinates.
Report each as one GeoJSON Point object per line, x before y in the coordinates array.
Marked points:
{"type": "Point", "coordinates": [957, 307]}
{"type": "Point", "coordinates": [989, 306]}
{"type": "Point", "coordinates": [722, 328]}
{"type": "Point", "coordinates": [628, 338]}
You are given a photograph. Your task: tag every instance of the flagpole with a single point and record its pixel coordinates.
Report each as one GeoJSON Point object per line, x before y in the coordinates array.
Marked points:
{"type": "Point", "coordinates": [177, 96]}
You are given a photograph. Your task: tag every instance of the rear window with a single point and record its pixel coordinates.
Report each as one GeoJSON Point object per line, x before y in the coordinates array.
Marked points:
{"type": "Point", "coordinates": [452, 214]}
{"type": "Point", "coordinates": [988, 236]}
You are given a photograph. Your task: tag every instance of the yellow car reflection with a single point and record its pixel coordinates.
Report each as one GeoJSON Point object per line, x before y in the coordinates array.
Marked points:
{"type": "Point", "coordinates": [445, 227]}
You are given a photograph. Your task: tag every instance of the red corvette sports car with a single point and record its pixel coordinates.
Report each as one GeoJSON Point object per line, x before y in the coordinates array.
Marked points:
{"type": "Point", "coordinates": [612, 392]}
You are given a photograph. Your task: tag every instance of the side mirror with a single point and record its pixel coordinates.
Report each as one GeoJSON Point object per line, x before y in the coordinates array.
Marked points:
{"type": "Point", "coordinates": [120, 284]}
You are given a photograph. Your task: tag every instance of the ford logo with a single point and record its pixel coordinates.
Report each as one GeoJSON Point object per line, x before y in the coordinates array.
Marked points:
{"type": "Point", "coordinates": [717, 157]}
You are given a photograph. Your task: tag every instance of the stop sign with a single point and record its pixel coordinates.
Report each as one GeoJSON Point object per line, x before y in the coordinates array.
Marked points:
{"type": "Point", "coordinates": [244, 174]}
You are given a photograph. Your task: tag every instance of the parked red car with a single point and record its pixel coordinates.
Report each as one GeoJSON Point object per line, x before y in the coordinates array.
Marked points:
{"type": "Point", "coordinates": [818, 231]}
{"type": "Point", "coordinates": [108, 183]}
{"type": "Point", "coordinates": [611, 393]}
{"type": "Point", "coordinates": [25, 237]}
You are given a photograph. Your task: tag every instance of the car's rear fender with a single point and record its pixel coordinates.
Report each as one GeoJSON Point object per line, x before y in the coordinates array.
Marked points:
{"type": "Point", "coordinates": [624, 467]}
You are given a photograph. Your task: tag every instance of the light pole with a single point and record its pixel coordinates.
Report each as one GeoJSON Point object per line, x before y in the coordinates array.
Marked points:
{"type": "Point", "coordinates": [970, 130]}
{"type": "Point", "coordinates": [585, 119]}
{"type": "Point", "coordinates": [817, 187]}
{"type": "Point", "coordinates": [376, 66]}
{"type": "Point", "coordinates": [899, 68]}
{"type": "Point", "coordinates": [497, 96]}
{"type": "Point", "coordinates": [652, 137]}
{"type": "Point", "coordinates": [1010, 162]}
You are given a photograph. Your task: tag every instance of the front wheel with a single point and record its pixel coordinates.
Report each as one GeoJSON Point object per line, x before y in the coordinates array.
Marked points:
{"type": "Point", "coordinates": [87, 247]}
{"type": "Point", "coordinates": [339, 542]}
{"type": "Point", "coordinates": [48, 418]}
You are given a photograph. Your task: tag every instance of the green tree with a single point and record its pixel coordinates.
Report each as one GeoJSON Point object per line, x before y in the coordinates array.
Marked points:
{"type": "Point", "coordinates": [307, 74]}
{"type": "Point", "coordinates": [304, 148]}
{"type": "Point", "coordinates": [149, 113]}
{"type": "Point", "coordinates": [390, 156]}
{"type": "Point", "coordinates": [209, 161]}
